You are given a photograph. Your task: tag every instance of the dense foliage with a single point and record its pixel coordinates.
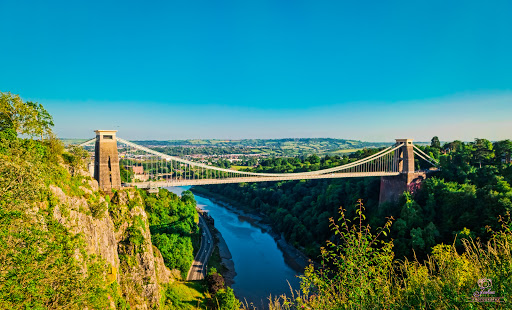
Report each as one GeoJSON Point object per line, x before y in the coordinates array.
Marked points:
{"type": "Point", "coordinates": [465, 198]}
{"type": "Point", "coordinates": [214, 281]}
{"type": "Point", "coordinates": [359, 272]}
{"type": "Point", "coordinates": [42, 265]}
{"type": "Point", "coordinates": [173, 224]}
{"type": "Point", "coordinates": [223, 297]}
{"type": "Point", "coordinates": [126, 174]}
{"type": "Point", "coordinates": [469, 193]}
{"type": "Point", "coordinates": [27, 118]}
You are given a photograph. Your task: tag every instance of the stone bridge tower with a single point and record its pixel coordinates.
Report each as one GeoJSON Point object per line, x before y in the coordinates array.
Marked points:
{"type": "Point", "coordinates": [106, 161]}
{"type": "Point", "coordinates": [409, 180]}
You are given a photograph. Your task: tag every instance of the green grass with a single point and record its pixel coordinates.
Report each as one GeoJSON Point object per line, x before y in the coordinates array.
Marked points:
{"type": "Point", "coordinates": [344, 151]}
{"type": "Point", "coordinates": [238, 167]}
{"type": "Point", "coordinates": [199, 142]}
{"type": "Point", "coordinates": [277, 147]}
{"type": "Point", "coordinates": [73, 141]}
{"type": "Point", "coordinates": [186, 295]}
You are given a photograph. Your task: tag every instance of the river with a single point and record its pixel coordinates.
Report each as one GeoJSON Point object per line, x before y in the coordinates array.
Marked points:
{"type": "Point", "coordinates": [260, 266]}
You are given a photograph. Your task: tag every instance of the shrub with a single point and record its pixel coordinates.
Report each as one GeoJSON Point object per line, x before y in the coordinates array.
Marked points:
{"type": "Point", "coordinates": [135, 236]}
{"type": "Point", "coordinates": [359, 273]}
{"type": "Point", "coordinates": [215, 282]}
{"type": "Point", "coordinates": [226, 300]}
{"type": "Point", "coordinates": [98, 209]}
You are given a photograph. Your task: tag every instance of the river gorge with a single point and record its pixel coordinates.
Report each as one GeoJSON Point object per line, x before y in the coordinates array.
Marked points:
{"type": "Point", "coordinates": [260, 265]}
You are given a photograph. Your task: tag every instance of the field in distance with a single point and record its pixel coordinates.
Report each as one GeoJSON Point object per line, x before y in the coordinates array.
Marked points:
{"type": "Point", "coordinates": [267, 147]}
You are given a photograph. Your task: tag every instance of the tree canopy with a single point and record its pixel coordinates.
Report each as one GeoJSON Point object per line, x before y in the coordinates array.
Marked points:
{"type": "Point", "coordinates": [469, 193]}
{"type": "Point", "coordinates": [26, 118]}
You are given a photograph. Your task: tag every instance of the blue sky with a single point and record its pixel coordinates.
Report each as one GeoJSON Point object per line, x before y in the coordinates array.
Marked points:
{"type": "Point", "coordinates": [370, 70]}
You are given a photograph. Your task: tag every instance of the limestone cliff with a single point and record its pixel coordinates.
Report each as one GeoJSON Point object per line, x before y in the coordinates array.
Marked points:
{"type": "Point", "coordinates": [117, 229]}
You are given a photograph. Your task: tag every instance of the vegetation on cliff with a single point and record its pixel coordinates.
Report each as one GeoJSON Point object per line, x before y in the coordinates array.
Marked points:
{"type": "Point", "coordinates": [64, 244]}
{"type": "Point", "coordinates": [173, 223]}
{"type": "Point", "coordinates": [43, 264]}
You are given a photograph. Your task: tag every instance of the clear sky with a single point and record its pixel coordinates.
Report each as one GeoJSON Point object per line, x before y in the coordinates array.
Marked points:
{"type": "Point", "coordinates": [369, 70]}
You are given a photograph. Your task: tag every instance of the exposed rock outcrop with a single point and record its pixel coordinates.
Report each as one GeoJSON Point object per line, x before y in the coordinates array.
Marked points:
{"type": "Point", "coordinates": [119, 233]}
{"type": "Point", "coordinates": [97, 232]}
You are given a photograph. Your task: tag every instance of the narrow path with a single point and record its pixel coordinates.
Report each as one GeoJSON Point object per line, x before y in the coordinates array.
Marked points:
{"type": "Point", "coordinates": [198, 269]}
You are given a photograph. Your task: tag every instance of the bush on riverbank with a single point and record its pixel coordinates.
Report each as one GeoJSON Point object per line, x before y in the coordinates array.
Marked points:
{"type": "Point", "coordinates": [222, 296]}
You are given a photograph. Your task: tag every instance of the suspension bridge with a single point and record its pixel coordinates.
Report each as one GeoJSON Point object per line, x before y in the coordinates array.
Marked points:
{"type": "Point", "coordinates": [149, 168]}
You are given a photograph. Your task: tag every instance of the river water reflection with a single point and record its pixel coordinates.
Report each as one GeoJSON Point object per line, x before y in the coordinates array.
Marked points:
{"type": "Point", "coordinates": [260, 265]}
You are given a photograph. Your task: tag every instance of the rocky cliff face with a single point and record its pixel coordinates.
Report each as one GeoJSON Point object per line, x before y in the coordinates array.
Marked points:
{"type": "Point", "coordinates": [118, 231]}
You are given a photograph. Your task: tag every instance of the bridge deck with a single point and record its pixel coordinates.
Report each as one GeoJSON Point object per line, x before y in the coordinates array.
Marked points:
{"type": "Point", "coordinates": [258, 179]}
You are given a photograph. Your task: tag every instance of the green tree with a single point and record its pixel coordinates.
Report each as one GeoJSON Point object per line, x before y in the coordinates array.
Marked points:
{"type": "Point", "coordinates": [215, 282]}
{"type": "Point", "coordinates": [226, 299]}
{"type": "Point", "coordinates": [313, 159]}
{"type": "Point", "coordinates": [43, 264]}
{"type": "Point", "coordinates": [6, 122]}
{"type": "Point", "coordinates": [417, 241]}
{"type": "Point", "coordinates": [76, 158]}
{"type": "Point", "coordinates": [483, 151]}
{"type": "Point", "coordinates": [503, 150]}
{"type": "Point", "coordinates": [176, 250]}
{"type": "Point", "coordinates": [453, 146]}
{"type": "Point", "coordinates": [126, 174]}
{"type": "Point", "coordinates": [14, 113]}
{"type": "Point", "coordinates": [435, 143]}
{"type": "Point", "coordinates": [24, 117]}
{"type": "Point", "coordinates": [43, 121]}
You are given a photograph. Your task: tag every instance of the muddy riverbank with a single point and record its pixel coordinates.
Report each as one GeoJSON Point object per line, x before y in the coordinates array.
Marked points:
{"type": "Point", "coordinates": [227, 260]}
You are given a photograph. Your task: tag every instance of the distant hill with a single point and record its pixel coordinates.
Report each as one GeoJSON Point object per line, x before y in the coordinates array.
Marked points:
{"type": "Point", "coordinates": [278, 147]}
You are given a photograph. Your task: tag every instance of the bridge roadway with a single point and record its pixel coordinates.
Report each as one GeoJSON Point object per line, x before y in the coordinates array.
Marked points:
{"type": "Point", "coordinates": [185, 182]}
{"type": "Point", "coordinates": [198, 269]}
